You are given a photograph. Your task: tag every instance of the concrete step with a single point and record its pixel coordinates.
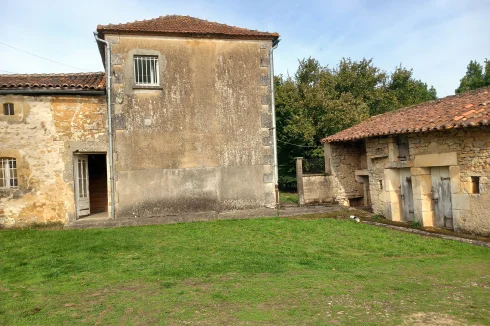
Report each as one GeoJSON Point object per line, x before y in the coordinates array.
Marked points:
{"type": "Point", "coordinates": [86, 223]}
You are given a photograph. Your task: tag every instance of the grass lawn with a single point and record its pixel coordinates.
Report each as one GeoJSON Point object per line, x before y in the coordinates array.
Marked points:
{"type": "Point", "coordinates": [288, 198]}
{"type": "Point", "coordinates": [257, 271]}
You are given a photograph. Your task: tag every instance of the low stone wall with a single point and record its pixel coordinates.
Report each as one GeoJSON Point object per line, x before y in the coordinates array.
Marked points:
{"type": "Point", "coordinates": [317, 189]}
{"type": "Point", "coordinates": [313, 188]}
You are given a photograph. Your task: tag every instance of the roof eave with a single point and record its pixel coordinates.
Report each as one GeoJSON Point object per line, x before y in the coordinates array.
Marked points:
{"type": "Point", "coordinates": [271, 36]}
{"type": "Point", "coordinates": [47, 91]}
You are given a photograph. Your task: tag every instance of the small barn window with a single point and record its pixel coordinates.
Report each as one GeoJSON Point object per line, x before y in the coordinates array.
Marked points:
{"type": "Point", "coordinates": [8, 173]}
{"type": "Point", "coordinates": [8, 109]}
{"type": "Point", "coordinates": [146, 70]}
{"type": "Point", "coordinates": [475, 185]}
{"type": "Point", "coordinates": [381, 184]}
{"type": "Point", "coordinates": [403, 151]}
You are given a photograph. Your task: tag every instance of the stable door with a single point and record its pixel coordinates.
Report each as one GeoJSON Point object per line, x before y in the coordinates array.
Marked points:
{"type": "Point", "coordinates": [441, 196]}
{"type": "Point", "coordinates": [406, 194]}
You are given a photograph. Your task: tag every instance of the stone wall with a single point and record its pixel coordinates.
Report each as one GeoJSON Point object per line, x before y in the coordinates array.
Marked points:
{"type": "Point", "coordinates": [317, 189]}
{"type": "Point", "coordinates": [343, 159]}
{"type": "Point", "coordinates": [377, 150]}
{"type": "Point", "coordinates": [42, 136]}
{"type": "Point", "coordinates": [201, 140]}
{"type": "Point", "coordinates": [472, 148]}
{"type": "Point", "coordinates": [466, 152]}
{"type": "Point", "coordinates": [313, 188]}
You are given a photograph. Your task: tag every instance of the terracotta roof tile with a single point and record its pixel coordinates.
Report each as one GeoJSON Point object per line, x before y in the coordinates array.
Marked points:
{"type": "Point", "coordinates": [72, 81]}
{"type": "Point", "coordinates": [446, 113]}
{"type": "Point", "coordinates": [185, 26]}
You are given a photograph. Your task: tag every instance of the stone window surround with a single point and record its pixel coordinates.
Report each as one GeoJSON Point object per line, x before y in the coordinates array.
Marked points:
{"type": "Point", "coordinates": [8, 108]}
{"type": "Point", "coordinates": [150, 62]}
{"type": "Point", "coordinates": [8, 173]}
{"type": "Point", "coordinates": [422, 188]}
{"type": "Point", "coordinates": [128, 70]}
{"type": "Point", "coordinates": [21, 109]}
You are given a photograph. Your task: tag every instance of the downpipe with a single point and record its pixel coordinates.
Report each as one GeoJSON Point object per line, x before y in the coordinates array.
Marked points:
{"type": "Point", "coordinates": [109, 119]}
{"type": "Point", "coordinates": [275, 43]}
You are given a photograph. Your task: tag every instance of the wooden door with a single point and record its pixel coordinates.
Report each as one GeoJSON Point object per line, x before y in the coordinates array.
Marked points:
{"type": "Point", "coordinates": [406, 195]}
{"type": "Point", "coordinates": [81, 185]}
{"type": "Point", "coordinates": [441, 196]}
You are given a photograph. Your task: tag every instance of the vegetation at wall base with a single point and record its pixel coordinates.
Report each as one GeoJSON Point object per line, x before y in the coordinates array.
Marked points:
{"type": "Point", "coordinates": [258, 271]}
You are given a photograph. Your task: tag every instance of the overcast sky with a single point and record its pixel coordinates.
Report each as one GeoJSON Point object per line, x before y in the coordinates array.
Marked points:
{"type": "Point", "coordinates": [437, 38]}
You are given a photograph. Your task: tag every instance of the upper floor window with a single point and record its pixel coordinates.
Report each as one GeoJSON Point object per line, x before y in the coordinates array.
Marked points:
{"type": "Point", "coordinates": [146, 70]}
{"type": "Point", "coordinates": [8, 109]}
{"type": "Point", "coordinates": [403, 149]}
{"type": "Point", "coordinates": [8, 173]}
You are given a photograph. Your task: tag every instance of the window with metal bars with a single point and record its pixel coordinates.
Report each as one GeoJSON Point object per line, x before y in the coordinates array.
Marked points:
{"type": "Point", "coordinates": [146, 70]}
{"type": "Point", "coordinates": [8, 173]}
{"type": "Point", "coordinates": [8, 108]}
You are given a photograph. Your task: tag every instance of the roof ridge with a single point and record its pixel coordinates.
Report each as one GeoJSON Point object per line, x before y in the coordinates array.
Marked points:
{"type": "Point", "coordinates": [185, 25]}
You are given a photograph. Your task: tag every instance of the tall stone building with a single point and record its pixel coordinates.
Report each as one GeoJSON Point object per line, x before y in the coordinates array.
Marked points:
{"type": "Point", "coordinates": [191, 127]}
{"type": "Point", "coordinates": [428, 163]}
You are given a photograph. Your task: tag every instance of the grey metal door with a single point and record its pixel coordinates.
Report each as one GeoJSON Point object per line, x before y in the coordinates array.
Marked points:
{"type": "Point", "coordinates": [441, 196]}
{"type": "Point", "coordinates": [406, 195]}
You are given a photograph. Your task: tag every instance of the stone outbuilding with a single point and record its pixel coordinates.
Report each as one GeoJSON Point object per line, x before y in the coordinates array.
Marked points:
{"type": "Point", "coordinates": [181, 122]}
{"type": "Point", "coordinates": [428, 163]}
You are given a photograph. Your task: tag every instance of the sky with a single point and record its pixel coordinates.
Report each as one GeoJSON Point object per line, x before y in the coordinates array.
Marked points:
{"type": "Point", "coordinates": [435, 38]}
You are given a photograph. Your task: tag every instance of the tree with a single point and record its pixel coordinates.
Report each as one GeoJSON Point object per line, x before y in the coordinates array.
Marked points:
{"type": "Point", "coordinates": [474, 77]}
{"type": "Point", "coordinates": [319, 101]}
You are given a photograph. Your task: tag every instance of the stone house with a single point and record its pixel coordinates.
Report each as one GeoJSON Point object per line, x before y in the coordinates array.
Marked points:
{"type": "Point", "coordinates": [182, 121]}
{"type": "Point", "coordinates": [428, 163]}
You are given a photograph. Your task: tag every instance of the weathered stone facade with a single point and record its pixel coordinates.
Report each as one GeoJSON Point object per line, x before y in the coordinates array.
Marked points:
{"type": "Point", "coordinates": [464, 152]}
{"type": "Point", "coordinates": [199, 141]}
{"type": "Point", "coordinates": [197, 137]}
{"type": "Point", "coordinates": [342, 160]}
{"type": "Point", "coordinates": [42, 136]}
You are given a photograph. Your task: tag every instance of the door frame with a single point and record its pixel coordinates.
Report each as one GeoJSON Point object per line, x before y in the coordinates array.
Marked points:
{"type": "Point", "coordinates": [76, 153]}
{"type": "Point", "coordinates": [407, 196]}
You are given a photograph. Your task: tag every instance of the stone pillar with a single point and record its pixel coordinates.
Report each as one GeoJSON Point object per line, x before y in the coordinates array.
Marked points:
{"type": "Point", "coordinates": [422, 195]}
{"type": "Point", "coordinates": [392, 188]}
{"type": "Point", "coordinates": [327, 152]}
{"type": "Point", "coordinates": [299, 180]}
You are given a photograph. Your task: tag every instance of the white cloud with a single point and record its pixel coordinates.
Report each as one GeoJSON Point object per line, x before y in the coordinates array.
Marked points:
{"type": "Point", "coordinates": [436, 38]}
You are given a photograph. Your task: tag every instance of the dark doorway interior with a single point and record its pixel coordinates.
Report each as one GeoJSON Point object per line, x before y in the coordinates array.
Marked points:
{"type": "Point", "coordinates": [97, 171]}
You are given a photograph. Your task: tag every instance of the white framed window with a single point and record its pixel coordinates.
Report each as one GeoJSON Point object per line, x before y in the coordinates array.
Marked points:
{"type": "Point", "coordinates": [8, 173]}
{"type": "Point", "coordinates": [8, 108]}
{"type": "Point", "coordinates": [146, 70]}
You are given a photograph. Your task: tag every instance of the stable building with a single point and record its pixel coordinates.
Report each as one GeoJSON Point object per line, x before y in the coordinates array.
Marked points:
{"type": "Point", "coordinates": [428, 163]}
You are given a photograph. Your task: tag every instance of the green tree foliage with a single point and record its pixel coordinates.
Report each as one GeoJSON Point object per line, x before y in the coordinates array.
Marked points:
{"type": "Point", "coordinates": [319, 101]}
{"type": "Point", "coordinates": [475, 77]}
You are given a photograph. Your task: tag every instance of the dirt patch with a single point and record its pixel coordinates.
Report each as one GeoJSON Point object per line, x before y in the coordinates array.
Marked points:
{"type": "Point", "coordinates": [431, 318]}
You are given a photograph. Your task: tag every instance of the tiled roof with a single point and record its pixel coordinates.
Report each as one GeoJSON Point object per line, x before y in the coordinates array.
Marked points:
{"type": "Point", "coordinates": [457, 111]}
{"type": "Point", "coordinates": [185, 26]}
{"type": "Point", "coordinates": [75, 81]}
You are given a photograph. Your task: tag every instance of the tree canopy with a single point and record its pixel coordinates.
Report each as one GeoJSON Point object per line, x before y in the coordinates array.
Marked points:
{"type": "Point", "coordinates": [319, 101]}
{"type": "Point", "coordinates": [476, 76]}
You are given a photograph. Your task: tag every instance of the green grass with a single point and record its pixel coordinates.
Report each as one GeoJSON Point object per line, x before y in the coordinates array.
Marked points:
{"type": "Point", "coordinates": [258, 271]}
{"type": "Point", "coordinates": [288, 198]}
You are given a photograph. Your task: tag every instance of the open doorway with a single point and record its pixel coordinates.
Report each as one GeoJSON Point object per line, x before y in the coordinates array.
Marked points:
{"type": "Point", "coordinates": [91, 185]}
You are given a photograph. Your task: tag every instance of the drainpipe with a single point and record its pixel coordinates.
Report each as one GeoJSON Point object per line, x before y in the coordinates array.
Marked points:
{"type": "Point", "coordinates": [109, 118]}
{"type": "Point", "coordinates": [273, 108]}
